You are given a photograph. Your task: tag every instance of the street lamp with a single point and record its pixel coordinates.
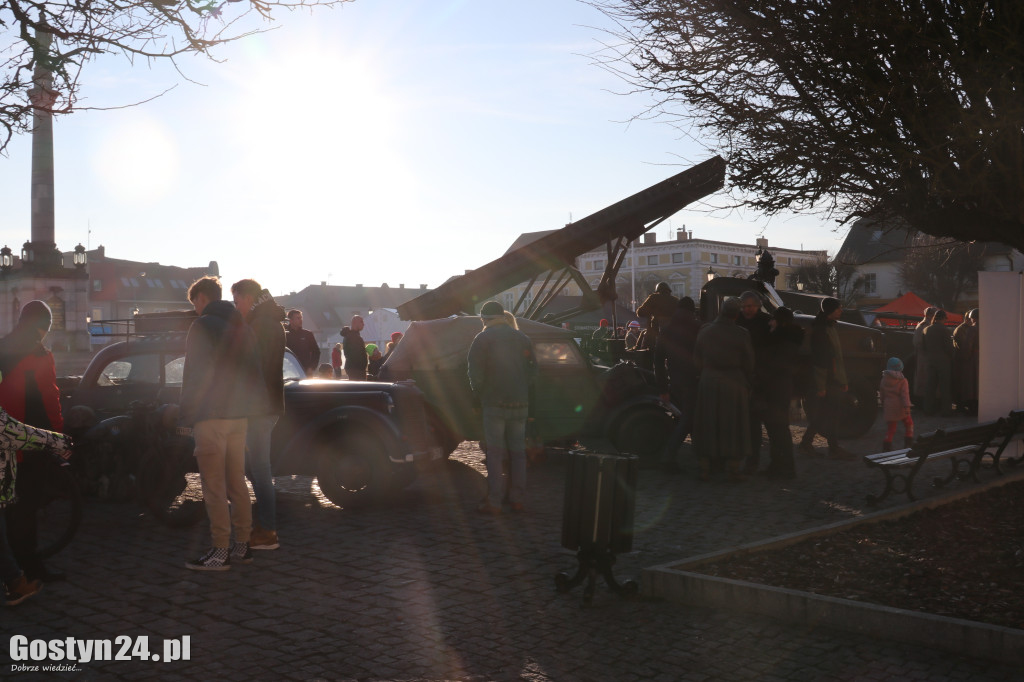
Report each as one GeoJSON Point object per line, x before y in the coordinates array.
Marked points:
{"type": "Point", "coordinates": [79, 257]}
{"type": "Point", "coordinates": [27, 254]}
{"type": "Point", "coordinates": [800, 284]}
{"type": "Point", "coordinates": [6, 259]}
{"type": "Point", "coordinates": [711, 274]}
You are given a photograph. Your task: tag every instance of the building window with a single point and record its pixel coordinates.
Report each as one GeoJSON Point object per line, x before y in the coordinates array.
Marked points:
{"type": "Point", "coordinates": [677, 257]}
{"type": "Point", "coordinates": [652, 260]}
{"type": "Point", "coordinates": [713, 257]}
{"type": "Point", "coordinates": [97, 285]}
{"type": "Point", "coordinates": [870, 283]}
{"type": "Point", "coordinates": [737, 260]}
{"type": "Point", "coordinates": [598, 265]}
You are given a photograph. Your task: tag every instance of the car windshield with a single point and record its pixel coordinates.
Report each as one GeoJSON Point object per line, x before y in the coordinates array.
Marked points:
{"type": "Point", "coordinates": [291, 370]}
{"type": "Point", "coordinates": [558, 353]}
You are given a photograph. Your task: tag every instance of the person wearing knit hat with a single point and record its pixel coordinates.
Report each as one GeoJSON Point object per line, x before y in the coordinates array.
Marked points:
{"type": "Point", "coordinates": [29, 394]}
{"type": "Point", "coordinates": [830, 382]}
{"type": "Point", "coordinates": [36, 315]}
{"type": "Point", "coordinates": [501, 367]}
{"type": "Point", "coordinates": [632, 335]}
{"type": "Point", "coordinates": [390, 346]}
{"type": "Point", "coordinates": [895, 393]}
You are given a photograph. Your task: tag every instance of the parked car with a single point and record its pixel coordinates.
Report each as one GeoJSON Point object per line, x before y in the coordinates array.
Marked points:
{"type": "Point", "coordinates": [361, 439]}
{"type": "Point", "coordinates": [571, 397]}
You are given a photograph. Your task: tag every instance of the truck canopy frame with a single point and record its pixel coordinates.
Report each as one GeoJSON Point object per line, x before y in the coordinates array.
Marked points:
{"type": "Point", "coordinates": [554, 254]}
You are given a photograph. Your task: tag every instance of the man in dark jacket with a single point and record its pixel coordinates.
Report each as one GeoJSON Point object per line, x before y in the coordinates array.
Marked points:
{"type": "Point", "coordinates": [302, 343]}
{"type": "Point", "coordinates": [265, 318]}
{"type": "Point", "coordinates": [786, 339]}
{"type": "Point", "coordinates": [658, 308]}
{"type": "Point", "coordinates": [676, 373]}
{"type": "Point", "coordinates": [29, 393]}
{"type": "Point", "coordinates": [756, 322]}
{"type": "Point", "coordinates": [222, 386]}
{"type": "Point", "coordinates": [501, 368]}
{"type": "Point", "coordinates": [830, 382]}
{"type": "Point", "coordinates": [354, 349]}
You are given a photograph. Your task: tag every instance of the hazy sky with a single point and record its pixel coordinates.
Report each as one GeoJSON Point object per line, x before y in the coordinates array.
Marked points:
{"type": "Point", "coordinates": [399, 141]}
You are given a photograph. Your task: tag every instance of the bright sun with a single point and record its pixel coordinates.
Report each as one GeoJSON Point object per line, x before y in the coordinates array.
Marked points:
{"type": "Point", "coordinates": [137, 161]}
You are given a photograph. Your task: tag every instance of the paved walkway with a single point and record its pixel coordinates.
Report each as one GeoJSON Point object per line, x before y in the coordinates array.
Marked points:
{"type": "Point", "coordinates": [426, 589]}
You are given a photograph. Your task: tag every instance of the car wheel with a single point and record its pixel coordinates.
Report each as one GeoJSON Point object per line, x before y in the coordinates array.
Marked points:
{"type": "Point", "coordinates": [642, 431]}
{"type": "Point", "coordinates": [352, 469]}
{"type": "Point", "coordinates": [860, 409]}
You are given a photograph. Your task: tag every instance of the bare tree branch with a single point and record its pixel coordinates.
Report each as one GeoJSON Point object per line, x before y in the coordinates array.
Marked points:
{"type": "Point", "coordinates": [62, 36]}
{"type": "Point", "coordinates": [889, 109]}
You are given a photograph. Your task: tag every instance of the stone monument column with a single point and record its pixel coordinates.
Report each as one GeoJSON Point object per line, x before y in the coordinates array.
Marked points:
{"type": "Point", "coordinates": [43, 246]}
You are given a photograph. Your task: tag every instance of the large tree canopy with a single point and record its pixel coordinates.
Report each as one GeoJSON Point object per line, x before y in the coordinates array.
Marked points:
{"type": "Point", "coordinates": [909, 109]}
{"type": "Point", "coordinates": [45, 43]}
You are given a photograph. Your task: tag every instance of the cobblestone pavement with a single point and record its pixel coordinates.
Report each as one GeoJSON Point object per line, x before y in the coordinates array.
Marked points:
{"type": "Point", "coordinates": [426, 589]}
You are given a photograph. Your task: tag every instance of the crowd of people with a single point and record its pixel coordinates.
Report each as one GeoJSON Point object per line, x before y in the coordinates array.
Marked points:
{"type": "Point", "coordinates": [736, 374]}
{"type": "Point", "coordinates": [728, 379]}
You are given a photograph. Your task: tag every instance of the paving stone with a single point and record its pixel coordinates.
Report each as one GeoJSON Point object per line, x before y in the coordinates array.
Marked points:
{"type": "Point", "coordinates": [425, 589]}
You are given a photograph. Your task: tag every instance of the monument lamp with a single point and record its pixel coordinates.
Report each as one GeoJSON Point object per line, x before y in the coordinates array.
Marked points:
{"type": "Point", "coordinates": [79, 257]}
{"type": "Point", "coordinates": [711, 274]}
{"type": "Point", "coordinates": [6, 259]}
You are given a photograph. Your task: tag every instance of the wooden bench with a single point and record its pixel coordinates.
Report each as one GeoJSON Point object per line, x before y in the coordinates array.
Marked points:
{"type": "Point", "coordinates": [966, 449]}
{"type": "Point", "coordinates": [1013, 430]}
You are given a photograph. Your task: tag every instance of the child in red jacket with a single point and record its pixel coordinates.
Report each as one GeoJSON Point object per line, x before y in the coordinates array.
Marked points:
{"type": "Point", "coordinates": [895, 392]}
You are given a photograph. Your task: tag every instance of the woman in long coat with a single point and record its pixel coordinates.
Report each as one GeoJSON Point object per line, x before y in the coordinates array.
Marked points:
{"type": "Point", "coordinates": [725, 359]}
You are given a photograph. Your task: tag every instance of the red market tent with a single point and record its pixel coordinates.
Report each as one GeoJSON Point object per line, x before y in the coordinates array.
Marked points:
{"type": "Point", "coordinates": [908, 310]}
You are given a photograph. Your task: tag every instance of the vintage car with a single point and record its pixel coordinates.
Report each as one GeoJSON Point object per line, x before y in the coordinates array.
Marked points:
{"type": "Point", "coordinates": [571, 398]}
{"type": "Point", "coordinates": [361, 439]}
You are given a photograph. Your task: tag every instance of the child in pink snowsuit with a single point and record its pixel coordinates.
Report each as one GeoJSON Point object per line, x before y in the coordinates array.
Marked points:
{"type": "Point", "coordinates": [895, 392]}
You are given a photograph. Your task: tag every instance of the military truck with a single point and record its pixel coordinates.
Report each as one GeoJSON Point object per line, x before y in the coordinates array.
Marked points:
{"type": "Point", "coordinates": [864, 348]}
